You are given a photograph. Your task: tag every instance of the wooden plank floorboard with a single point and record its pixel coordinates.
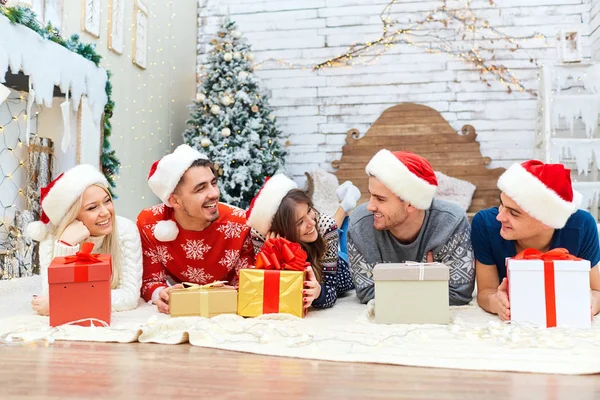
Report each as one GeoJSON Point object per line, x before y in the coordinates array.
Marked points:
{"type": "Point", "coordinates": [73, 370]}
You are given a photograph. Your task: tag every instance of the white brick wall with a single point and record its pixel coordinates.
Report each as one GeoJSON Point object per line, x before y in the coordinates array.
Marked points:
{"type": "Point", "coordinates": [316, 109]}
{"type": "Point", "coordinates": [595, 28]}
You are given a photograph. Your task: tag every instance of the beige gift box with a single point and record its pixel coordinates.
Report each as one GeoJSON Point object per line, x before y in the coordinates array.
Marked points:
{"type": "Point", "coordinates": [202, 301]}
{"type": "Point", "coordinates": [411, 293]}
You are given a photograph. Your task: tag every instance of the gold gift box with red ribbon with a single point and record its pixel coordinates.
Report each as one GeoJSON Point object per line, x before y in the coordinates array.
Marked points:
{"type": "Point", "coordinates": [79, 288]}
{"type": "Point", "coordinates": [275, 284]}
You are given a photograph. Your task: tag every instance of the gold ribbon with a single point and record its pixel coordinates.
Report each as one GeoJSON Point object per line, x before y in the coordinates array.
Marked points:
{"type": "Point", "coordinates": [195, 286]}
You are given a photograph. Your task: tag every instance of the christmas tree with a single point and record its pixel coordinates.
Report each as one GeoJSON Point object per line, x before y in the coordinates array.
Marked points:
{"type": "Point", "coordinates": [231, 121]}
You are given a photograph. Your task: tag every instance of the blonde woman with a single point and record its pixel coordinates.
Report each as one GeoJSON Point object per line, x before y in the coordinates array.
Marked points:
{"type": "Point", "coordinates": [77, 207]}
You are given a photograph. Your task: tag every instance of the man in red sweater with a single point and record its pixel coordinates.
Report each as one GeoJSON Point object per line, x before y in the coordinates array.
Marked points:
{"type": "Point", "coordinates": [191, 237]}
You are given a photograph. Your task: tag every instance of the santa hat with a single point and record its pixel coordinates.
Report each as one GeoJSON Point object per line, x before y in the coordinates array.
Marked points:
{"type": "Point", "coordinates": [266, 203]}
{"type": "Point", "coordinates": [164, 176]}
{"type": "Point", "coordinates": [407, 175]}
{"type": "Point", "coordinates": [544, 191]}
{"type": "Point", "coordinates": [57, 198]}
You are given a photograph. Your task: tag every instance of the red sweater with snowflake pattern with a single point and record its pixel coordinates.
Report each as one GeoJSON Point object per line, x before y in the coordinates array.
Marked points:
{"type": "Point", "coordinates": [216, 253]}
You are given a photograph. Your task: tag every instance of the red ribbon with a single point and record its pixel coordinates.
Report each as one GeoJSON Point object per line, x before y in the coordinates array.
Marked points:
{"type": "Point", "coordinates": [81, 272]}
{"type": "Point", "coordinates": [278, 254]}
{"type": "Point", "coordinates": [549, 279]}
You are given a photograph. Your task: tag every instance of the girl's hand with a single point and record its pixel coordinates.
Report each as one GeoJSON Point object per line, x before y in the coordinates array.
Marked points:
{"type": "Point", "coordinates": [312, 288]}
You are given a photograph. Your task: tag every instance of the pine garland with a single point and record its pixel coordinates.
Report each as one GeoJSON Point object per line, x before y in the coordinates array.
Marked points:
{"type": "Point", "coordinates": [24, 16]}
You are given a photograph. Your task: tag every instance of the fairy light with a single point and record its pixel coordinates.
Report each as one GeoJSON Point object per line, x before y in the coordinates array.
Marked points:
{"type": "Point", "coordinates": [465, 22]}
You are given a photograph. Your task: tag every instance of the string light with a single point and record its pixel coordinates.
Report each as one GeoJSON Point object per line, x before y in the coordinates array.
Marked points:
{"type": "Point", "coordinates": [466, 24]}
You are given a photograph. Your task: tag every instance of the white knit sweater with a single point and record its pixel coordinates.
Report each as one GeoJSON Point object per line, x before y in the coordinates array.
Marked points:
{"type": "Point", "coordinates": [126, 295]}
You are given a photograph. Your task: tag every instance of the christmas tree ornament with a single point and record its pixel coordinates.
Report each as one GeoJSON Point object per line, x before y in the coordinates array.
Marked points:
{"type": "Point", "coordinates": [234, 122]}
{"type": "Point", "coordinates": [226, 100]}
{"type": "Point", "coordinates": [200, 97]}
{"type": "Point", "coordinates": [271, 117]}
{"type": "Point", "coordinates": [227, 57]}
{"type": "Point", "coordinates": [236, 34]}
{"type": "Point", "coordinates": [250, 57]}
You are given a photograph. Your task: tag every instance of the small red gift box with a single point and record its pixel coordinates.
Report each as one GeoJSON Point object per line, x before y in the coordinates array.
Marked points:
{"type": "Point", "coordinates": [79, 288]}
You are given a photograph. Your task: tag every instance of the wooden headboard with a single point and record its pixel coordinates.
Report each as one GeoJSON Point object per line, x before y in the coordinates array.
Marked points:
{"type": "Point", "coordinates": [422, 130]}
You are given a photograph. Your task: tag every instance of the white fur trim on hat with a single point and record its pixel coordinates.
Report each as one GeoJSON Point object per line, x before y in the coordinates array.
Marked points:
{"type": "Point", "coordinates": [535, 198]}
{"type": "Point", "coordinates": [166, 231]}
{"type": "Point", "coordinates": [37, 230]}
{"type": "Point", "coordinates": [267, 202]}
{"type": "Point", "coordinates": [170, 169]}
{"type": "Point", "coordinates": [67, 190]}
{"type": "Point", "coordinates": [400, 180]}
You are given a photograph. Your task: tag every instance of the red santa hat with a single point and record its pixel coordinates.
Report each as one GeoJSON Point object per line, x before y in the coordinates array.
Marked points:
{"type": "Point", "coordinates": [164, 176]}
{"type": "Point", "coordinates": [266, 203]}
{"type": "Point", "coordinates": [544, 191]}
{"type": "Point", "coordinates": [408, 175]}
{"type": "Point", "coordinates": [57, 198]}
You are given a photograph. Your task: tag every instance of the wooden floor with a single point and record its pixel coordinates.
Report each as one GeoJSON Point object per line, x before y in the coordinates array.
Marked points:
{"type": "Point", "coordinates": [68, 370]}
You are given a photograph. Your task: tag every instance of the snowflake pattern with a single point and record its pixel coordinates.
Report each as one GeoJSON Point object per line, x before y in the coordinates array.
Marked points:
{"type": "Point", "coordinates": [197, 275]}
{"type": "Point", "coordinates": [195, 249]}
{"type": "Point", "coordinates": [157, 209]}
{"type": "Point", "coordinates": [231, 230]}
{"type": "Point", "coordinates": [230, 259]}
{"type": "Point", "coordinates": [238, 212]}
{"type": "Point", "coordinates": [159, 255]}
{"type": "Point", "coordinates": [159, 276]}
{"type": "Point", "coordinates": [243, 263]}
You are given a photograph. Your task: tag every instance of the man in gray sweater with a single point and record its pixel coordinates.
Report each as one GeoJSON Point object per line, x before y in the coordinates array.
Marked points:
{"type": "Point", "coordinates": [403, 222]}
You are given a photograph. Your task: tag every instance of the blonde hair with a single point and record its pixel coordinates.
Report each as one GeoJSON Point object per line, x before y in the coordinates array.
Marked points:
{"type": "Point", "coordinates": [110, 244]}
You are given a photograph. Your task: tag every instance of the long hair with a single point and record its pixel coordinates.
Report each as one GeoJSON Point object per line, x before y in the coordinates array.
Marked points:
{"type": "Point", "coordinates": [110, 244]}
{"type": "Point", "coordinates": [284, 224]}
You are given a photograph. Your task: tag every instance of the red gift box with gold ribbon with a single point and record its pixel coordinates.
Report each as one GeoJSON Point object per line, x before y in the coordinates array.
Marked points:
{"type": "Point", "coordinates": [79, 288]}
{"type": "Point", "coordinates": [549, 289]}
{"type": "Point", "coordinates": [275, 283]}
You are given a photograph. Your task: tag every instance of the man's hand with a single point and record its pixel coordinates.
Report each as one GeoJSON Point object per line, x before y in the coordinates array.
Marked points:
{"type": "Point", "coordinates": [162, 303]}
{"type": "Point", "coordinates": [499, 303]}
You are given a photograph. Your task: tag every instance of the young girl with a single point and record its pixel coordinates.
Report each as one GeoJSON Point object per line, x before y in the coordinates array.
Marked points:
{"type": "Point", "coordinates": [280, 209]}
{"type": "Point", "coordinates": [76, 208]}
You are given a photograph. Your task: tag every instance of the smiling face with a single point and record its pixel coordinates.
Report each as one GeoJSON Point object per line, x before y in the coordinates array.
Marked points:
{"type": "Point", "coordinates": [306, 223]}
{"type": "Point", "coordinates": [97, 212]}
{"type": "Point", "coordinates": [389, 211]}
{"type": "Point", "coordinates": [516, 223]}
{"type": "Point", "coordinates": [197, 195]}
{"type": "Point", "coordinates": [296, 219]}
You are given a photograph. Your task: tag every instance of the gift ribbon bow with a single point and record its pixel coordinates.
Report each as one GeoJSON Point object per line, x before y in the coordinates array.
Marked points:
{"type": "Point", "coordinates": [84, 255]}
{"type": "Point", "coordinates": [280, 253]}
{"type": "Point", "coordinates": [549, 280]}
{"type": "Point", "coordinates": [195, 286]}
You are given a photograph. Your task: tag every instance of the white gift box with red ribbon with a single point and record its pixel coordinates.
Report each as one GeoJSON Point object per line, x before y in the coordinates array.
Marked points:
{"type": "Point", "coordinates": [550, 293]}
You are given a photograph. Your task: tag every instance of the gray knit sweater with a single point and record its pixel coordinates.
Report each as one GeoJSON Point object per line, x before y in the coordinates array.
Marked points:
{"type": "Point", "coordinates": [445, 232]}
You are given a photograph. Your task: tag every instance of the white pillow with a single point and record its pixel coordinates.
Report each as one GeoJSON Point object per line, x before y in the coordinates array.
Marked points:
{"type": "Point", "coordinates": [455, 190]}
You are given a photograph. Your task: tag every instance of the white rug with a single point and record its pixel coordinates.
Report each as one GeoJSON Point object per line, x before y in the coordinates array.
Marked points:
{"type": "Point", "coordinates": [474, 339]}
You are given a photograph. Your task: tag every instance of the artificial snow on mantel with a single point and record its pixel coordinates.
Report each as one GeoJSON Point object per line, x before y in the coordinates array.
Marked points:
{"type": "Point", "coordinates": [49, 64]}
{"type": "Point", "coordinates": [587, 75]}
{"type": "Point", "coordinates": [582, 150]}
{"type": "Point", "coordinates": [571, 107]}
